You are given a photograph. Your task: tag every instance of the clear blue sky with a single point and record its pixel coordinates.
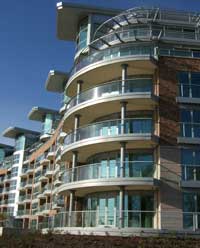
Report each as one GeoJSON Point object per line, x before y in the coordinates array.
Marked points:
{"type": "Point", "coordinates": [29, 49]}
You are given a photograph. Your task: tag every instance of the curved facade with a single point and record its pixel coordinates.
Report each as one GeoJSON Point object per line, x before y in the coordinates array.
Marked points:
{"type": "Point", "coordinates": [121, 155]}
{"type": "Point", "coordinates": [122, 122]}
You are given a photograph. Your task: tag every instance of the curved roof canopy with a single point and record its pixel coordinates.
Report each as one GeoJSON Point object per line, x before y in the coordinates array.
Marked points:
{"type": "Point", "coordinates": [56, 81]}
{"type": "Point", "coordinates": [38, 113]}
{"type": "Point", "coordinates": [4, 146]}
{"type": "Point", "coordinates": [14, 132]}
{"type": "Point", "coordinates": [69, 15]}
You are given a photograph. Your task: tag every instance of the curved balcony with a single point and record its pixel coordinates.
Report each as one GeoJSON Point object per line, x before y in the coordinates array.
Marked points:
{"type": "Point", "coordinates": [140, 59]}
{"type": "Point", "coordinates": [108, 221]}
{"type": "Point", "coordinates": [105, 99]}
{"type": "Point", "coordinates": [136, 174]}
{"type": "Point", "coordinates": [143, 32]}
{"type": "Point", "coordinates": [88, 140]}
{"type": "Point", "coordinates": [134, 16]}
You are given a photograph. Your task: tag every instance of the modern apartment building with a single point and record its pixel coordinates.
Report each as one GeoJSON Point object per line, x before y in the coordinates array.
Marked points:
{"type": "Point", "coordinates": [11, 166]}
{"type": "Point", "coordinates": [122, 154]}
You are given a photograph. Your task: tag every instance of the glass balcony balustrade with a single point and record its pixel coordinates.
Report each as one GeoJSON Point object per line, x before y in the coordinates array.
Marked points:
{"type": "Point", "coordinates": [189, 90]}
{"type": "Point", "coordinates": [34, 211]}
{"type": "Point", "coordinates": [11, 200]}
{"type": "Point", "coordinates": [142, 32]}
{"type": "Point", "coordinates": [132, 50]}
{"type": "Point", "coordinates": [22, 184]}
{"type": "Point", "coordinates": [191, 172]}
{"type": "Point", "coordinates": [6, 189]}
{"type": "Point", "coordinates": [136, 50]}
{"type": "Point", "coordinates": [47, 187]}
{"type": "Point", "coordinates": [24, 169]}
{"type": "Point", "coordinates": [33, 224]}
{"type": "Point", "coordinates": [190, 130]}
{"type": "Point", "coordinates": [134, 169]}
{"type": "Point", "coordinates": [179, 53]}
{"type": "Point", "coordinates": [137, 126]}
{"type": "Point", "coordinates": [22, 198]}
{"type": "Point", "coordinates": [42, 207]}
{"type": "Point", "coordinates": [5, 202]}
{"type": "Point", "coordinates": [43, 171]}
{"type": "Point", "coordinates": [110, 218]}
{"type": "Point", "coordinates": [7, 177]}
{"type": "Point", "coordinates": [20, 212]}
{"type": "Point", "coordinates": [141, 15]}
{"type": "Point", "coordinates": [27, 211]}
{"type": "Point", "coordinates": [7, 163]}
{"type": "Point", "coordinates": [36, 178]}
{"type": "Point", "coordinates": [48, 206]}
{"type": "Point", "coordinates": [125, 35]}
{"type": "Point", "coordinates": [29, 181]}
{"type": "Point", "coordinates": [28, 196]}
{"type": "Point", "coordinates": [115, 88]}
{"type": "Point", "coordinates": [50, 167]}
{"type": "Point", "coordinates": [113, 53]}
{"type": "Point", "coordinates": [62, 167]}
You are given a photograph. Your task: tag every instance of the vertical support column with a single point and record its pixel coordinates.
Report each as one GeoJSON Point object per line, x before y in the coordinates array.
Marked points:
{"type": "Point", "coordinates": [121, 207]}
{"type": "Point", "coordinates": [123, 116]}
{"type": "Point", "coordinates": [89, 31]}
{"type": "Point", "coordinates": [76, 126]}
{"type": "Point", "coordinates": [124, 76]}
{"type": "Point", "coordinates": [71, 206]}
{"type": "Point", "coordinates": [74, 164]}
{"type": "Point", "coordinates": [79, 89]}
{"type": "Point", "coordinates": [122, 158]}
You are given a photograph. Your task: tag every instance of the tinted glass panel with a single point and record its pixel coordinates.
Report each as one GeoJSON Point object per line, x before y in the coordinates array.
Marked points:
{"type": "Point", "coordinates": [185, 116]}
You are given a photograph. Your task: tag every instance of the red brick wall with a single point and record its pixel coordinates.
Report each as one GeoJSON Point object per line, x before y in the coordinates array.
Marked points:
{"type": "Point", "coordinates": [170, 169]}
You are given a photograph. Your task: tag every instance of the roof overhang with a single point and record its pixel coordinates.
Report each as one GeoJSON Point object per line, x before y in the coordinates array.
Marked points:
{"type": "Point", "coordinates": [38, 113]}
{"type": "Point", "coordinates": [13, 132]}
{"type": "Point", "coordinates": [69, 15]}
{"type": "Point", "coordinates": [56, 81]}
{"type": "Point", "coordinates": [4, 146]}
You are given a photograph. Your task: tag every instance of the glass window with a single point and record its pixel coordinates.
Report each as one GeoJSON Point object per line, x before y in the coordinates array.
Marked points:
{"type": "Point", "coordinates": [190, 160]}
{"type": "Point", "coordinates": [196, 116]}
{"type": "Point", "coordinates": [189, 84]}
{"type": "Point", "coordinates": [185, 115]}
{"type": "Point", "coordinates": [190, 123]}
{"type": "Point", "coordinates": [48, 124]}
{"type": "Point", "coordinates": [13, 184]}
{"type": "Point", "coordinates": [2, 155]}
{"type": "Point", "coordinates": [82, 34]}
{"type": "Point", "coordinates": [191, 206]}
{"type": "Point", "coordinates": [140, 210]}
{"type": "Point", "coordinates": [20, 143]}
{"type": "Point", "coordinates": [14, 172]}
{"type": "Point", "coordinates": [16, 158]}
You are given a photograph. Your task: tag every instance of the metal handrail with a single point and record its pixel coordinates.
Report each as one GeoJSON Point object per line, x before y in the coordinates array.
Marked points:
{"type": "Point", "coordinates": [134, 169]}
{"type": "Point", "coordinates": [96, 128]}
{"type": "Point", "coordinates": [100, 90]}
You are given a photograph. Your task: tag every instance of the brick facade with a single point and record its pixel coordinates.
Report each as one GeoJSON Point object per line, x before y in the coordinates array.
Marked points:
{"type": "Point", "coordinates": [170, 168]}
